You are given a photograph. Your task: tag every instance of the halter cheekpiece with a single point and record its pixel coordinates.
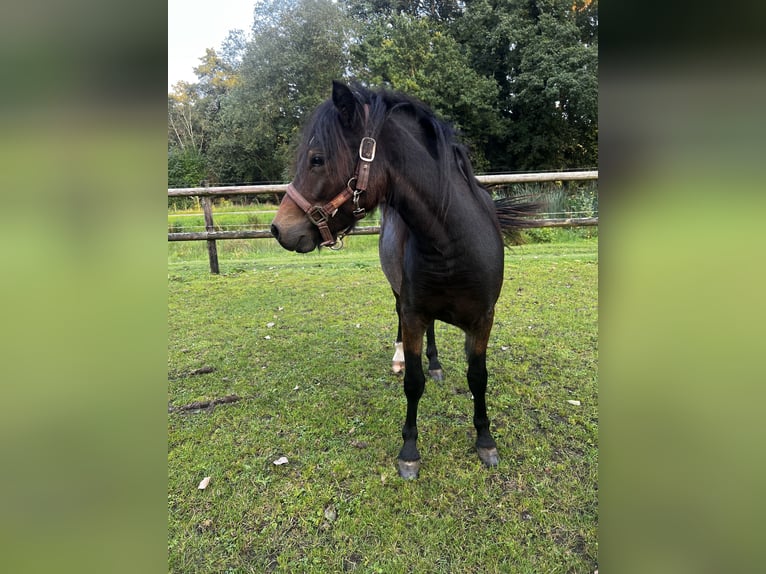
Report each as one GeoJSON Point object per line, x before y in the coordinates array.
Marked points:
{"type": "Point", "coordinates": [356, 185]}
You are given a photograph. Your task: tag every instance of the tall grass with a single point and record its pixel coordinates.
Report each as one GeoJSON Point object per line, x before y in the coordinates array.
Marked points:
{"type": "Point", "coordinates": [561, 199]}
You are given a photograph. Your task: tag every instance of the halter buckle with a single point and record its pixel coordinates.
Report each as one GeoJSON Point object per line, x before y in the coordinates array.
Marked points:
{"type": "Point", "coordinates": [367, 149]}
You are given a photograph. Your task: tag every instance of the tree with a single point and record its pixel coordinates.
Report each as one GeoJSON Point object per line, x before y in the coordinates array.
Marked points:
{"type": "Point", "coordinates": [186, 137]}
{"type": "Point", "coordinates": [418, 56]}
{"type": "Point", "coordinates": [298, 48]}
{"type": "Point", "coordinates": [233, 49]}
{"type": "Point", "coordinates": [543, 55]}
{"type": "Point", "coordinates": [216, 77]}
{"type": "Point", "coordinates": [434, 10]}
{"type": "Point", "coordinates": [186, 168]}
{"type": "Point", "coordinates": [185, 122]}
{"type": "Point", "coordinates": [192, 107]}
{"type": "Point", "coordinates": [517, 78]}
{"type": "Point", "coordinates": [192, 115]}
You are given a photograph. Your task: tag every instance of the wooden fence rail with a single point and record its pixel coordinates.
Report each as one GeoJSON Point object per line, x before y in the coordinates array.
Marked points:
{"type": "Point", "coordinates": [497, 179]}
{"type": "Point", "coordinates": [211, 236]}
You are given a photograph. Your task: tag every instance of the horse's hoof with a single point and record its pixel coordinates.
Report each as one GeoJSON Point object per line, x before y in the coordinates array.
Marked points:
{"type": "Point", "coordinates": [409, 469]}
{"type": "Point", "coordinates": [488, 456]}
{"type": "Point", "coordinates": [437, 374]}
{"type": "Point", "coordinates": [397, 367]}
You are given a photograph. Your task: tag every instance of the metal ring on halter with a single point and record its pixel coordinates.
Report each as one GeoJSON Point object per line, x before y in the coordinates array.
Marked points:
{"type": "Point", "coordinates": [338, 245]}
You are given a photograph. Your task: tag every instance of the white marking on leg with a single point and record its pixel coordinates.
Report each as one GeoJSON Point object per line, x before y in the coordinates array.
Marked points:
{"type": "Point", "coordinates": [397, 365]}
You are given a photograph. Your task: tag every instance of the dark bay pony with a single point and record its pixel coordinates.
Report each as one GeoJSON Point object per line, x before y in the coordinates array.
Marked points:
{"type": "Point", "coordinates": [441, 244]}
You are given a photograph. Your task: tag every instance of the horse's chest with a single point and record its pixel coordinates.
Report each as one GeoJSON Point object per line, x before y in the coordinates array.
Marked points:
{"type": "Point", "coordinates": [451, 280]}
{"type": "Point", "coordinates": [453, 297]}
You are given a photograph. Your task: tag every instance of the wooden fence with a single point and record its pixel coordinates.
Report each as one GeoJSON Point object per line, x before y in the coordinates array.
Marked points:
{"type": "Point", "coordinates": [211, 235]}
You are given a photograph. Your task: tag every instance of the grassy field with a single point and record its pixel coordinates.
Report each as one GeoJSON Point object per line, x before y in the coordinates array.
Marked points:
{"type": "Point", "coordinates": [305, 342]}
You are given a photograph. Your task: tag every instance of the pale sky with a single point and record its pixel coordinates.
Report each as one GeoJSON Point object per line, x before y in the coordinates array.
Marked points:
{"type": "Point", "coordinates": [195, 26]}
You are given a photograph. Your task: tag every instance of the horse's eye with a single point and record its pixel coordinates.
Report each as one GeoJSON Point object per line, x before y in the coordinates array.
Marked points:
{"type": "Point", "coordinates": [317, 161]}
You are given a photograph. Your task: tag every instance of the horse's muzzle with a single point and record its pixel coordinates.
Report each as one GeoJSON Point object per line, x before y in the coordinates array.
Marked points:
{"type": "Point", "coordinates": [300, 243]}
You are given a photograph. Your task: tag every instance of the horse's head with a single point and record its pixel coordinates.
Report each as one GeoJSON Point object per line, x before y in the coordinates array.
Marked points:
{"type": "Point", "coordinates": [327, 195]}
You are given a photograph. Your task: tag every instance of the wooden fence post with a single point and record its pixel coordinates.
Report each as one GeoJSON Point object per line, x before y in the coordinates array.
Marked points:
{"type": "Point", "coordinates": [212, 251]}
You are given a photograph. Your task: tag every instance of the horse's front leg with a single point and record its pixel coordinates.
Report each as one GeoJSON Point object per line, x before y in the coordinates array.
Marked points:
{"type": "Point", "coordinates": [476, 354]}
{"type": "Point", "coordinates": [414, 385]}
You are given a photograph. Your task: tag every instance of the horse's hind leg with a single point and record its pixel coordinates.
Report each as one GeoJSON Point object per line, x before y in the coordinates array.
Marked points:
{"type": "Point", "coordinates": [397, 363]}
{"type": "Point", "coordinates": [434, 367]}
{"type": "Point", "coordinates": [476, 353]}
{"type": "Point", "coordinates": [435, 370]}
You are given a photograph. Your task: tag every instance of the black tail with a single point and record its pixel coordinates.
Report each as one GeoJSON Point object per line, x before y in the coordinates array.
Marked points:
{"type": "Point", "coordinates": [514, 214]}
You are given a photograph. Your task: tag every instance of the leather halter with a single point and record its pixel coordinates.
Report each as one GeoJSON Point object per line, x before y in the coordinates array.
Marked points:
{"type": "Point", "coordinates": [320, 214]}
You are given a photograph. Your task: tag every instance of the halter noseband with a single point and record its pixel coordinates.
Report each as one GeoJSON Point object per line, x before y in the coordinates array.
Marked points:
{"type": "Point", "coordinates": [320, 214]}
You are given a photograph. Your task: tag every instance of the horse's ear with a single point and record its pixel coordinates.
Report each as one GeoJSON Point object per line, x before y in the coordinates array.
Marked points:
{"type": "Point", "coordinates": [345, 103]}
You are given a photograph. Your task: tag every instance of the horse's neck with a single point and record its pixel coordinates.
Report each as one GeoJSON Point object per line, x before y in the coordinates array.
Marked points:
{"type": "Point", "coordinates": [436, 222]}
{"type": "Point", "coordinates": [435, 200]}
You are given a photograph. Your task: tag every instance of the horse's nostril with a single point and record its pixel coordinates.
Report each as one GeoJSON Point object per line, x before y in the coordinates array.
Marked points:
{"type": "Point", "coordinates": [274, 231]}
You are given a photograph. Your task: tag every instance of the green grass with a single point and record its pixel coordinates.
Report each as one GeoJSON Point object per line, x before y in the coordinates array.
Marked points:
{"type": "Point", "coordinates": [316, 387]}
{"type": "Point", "coordinates": [242, 252]}
{"type": "Point", "coordinates": [230, 217]}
